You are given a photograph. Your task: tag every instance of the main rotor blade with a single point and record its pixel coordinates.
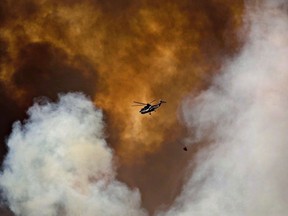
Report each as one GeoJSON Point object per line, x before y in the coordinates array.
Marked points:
{"type": "Point", "coordinates": [152, 101]}
{"type": "Point", "coordinates": [139, 103]}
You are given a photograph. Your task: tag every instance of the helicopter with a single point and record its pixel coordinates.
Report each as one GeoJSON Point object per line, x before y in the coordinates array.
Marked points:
{"type": "Point", "coordinates": [148, 108]}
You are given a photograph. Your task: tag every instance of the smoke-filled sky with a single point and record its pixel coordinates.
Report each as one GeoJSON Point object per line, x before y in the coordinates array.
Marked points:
{"type": "Point", "coordinates": [219, 64]}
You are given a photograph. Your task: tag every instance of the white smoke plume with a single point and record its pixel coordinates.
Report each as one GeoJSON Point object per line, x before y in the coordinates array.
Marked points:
{"type": "Point", "coordinates": [59, 164]}
{"type": "Point", "coordinates": [244, 115]}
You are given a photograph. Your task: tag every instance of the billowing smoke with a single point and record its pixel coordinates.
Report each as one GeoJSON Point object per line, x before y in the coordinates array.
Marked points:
{"type": "Point", "coordinates": [117, 51]}
{"type": "Point", "coordinates": [120, 51]}
{"type": "Point", "coordinates": [243, 116]}
{"type": "Point", "coordinates": [59, 164]}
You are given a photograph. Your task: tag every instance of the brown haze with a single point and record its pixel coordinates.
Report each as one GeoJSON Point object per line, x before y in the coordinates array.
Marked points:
{"type": "Point", "coordinates": [117, 52]}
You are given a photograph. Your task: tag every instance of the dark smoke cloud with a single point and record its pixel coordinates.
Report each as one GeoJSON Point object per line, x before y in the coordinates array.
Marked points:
{"type": "Point", "coordinates": [44, 70]}
{"type": "Point", "coordinates": [6, 104]}
{"type": "Point", "coordinates": [117, 52]}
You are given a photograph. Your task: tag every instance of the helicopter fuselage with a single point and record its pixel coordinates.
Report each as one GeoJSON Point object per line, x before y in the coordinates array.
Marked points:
{"type": "Point", "coordinates": [150, 108]}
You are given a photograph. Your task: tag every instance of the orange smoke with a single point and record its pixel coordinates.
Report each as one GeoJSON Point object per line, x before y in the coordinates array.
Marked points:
{"type": "Point", "coordinates": [140, 51]}
{"type": "Point", "coordinates": [118, 52]}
